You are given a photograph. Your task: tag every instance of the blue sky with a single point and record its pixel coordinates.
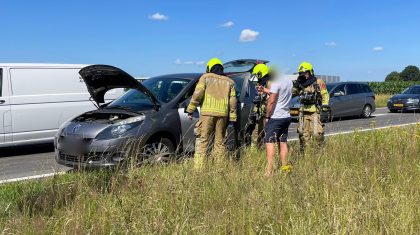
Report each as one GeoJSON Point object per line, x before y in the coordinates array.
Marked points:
{"type": "Point", "coordinates": [358, 40]}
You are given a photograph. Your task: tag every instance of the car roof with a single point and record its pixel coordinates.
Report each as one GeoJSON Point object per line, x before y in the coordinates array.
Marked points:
{"type": "Point", "coordinates": [339, 83]}
{"type": "Point", "coordinates": [189, 76]}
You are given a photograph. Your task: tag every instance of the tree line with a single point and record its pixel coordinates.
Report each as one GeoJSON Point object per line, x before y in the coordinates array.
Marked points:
{"type": "Point", "coordinates": [410, 73]}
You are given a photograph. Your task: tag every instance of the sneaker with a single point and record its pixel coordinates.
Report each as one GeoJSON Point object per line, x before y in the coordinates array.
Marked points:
{"type": "Point", "coordinates": [286, 168]}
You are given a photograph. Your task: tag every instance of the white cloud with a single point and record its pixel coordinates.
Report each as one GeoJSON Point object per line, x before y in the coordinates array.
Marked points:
{"type": "Point", "coordinates": [190, 62]}
{"type": "Point", "coordinates": [378, 49]}
{"type": "Point", "coordinates": [178, 61]}
{"type": "Point", "coordinates": [248, 35]}
{"type": "Point", "coordinates": [158, 16]}
{"type": "Point", "coordinates": [228, 24]}
{"type": "Point", "coordinates": [331, 44]}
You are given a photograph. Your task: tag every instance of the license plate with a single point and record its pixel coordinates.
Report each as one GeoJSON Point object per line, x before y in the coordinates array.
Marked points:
{"type": "Point", "coordinates": [399, 105]}
{"type": "Point", "coordinates": [294, 112]}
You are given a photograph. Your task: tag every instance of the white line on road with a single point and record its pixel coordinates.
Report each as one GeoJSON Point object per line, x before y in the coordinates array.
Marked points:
{"type": "Point", "coordinates": [294, 139]}
{"type": "Point", "coordinates": [364, 130]}
{"type": "Point", "coordinates": [31, 177]}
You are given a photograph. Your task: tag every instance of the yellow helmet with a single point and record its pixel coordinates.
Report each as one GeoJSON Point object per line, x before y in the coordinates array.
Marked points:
{"type": "Point", "coordinates": [305, 67]}
{"type": "Point", "coordinates": [260, 71]}
{"type": "Point", "coordinates": [212, 63]}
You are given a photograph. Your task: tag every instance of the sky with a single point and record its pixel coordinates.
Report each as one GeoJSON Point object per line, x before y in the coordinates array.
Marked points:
{"type": "Point", "coordinates": [357, 40]}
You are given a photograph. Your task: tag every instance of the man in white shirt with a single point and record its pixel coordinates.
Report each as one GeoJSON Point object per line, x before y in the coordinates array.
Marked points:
{"type": "Point", "coordinates": [278, 122]}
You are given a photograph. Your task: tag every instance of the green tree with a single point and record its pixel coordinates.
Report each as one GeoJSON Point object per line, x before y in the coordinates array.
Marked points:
{"type": "Point", "coordinates": [410, 73]}
{"type": "Point", "coordinates": [393, 76]}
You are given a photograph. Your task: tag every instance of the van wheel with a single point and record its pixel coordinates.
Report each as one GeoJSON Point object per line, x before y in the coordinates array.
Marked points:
{"type": "Point", "coordinates": [161, 151]}
{"type": "Point", "coordinates": [367, 111]}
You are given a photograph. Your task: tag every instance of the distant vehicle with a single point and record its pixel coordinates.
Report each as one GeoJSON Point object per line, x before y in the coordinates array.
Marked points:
{"type": "Point", "coordinates": [346, 99]}
{"type": "Point", "coordinates": [35, 99]}
{"type": "Point", "coordinates": [408, 100]}
{"type": "Point", "coordinates": [151, 113]}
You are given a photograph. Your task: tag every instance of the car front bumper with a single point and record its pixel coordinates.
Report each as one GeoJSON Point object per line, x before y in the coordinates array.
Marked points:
{"type": "Point", "coordinates": [403, 106]}
{"type": "Point", "coordinates": [93, 153]}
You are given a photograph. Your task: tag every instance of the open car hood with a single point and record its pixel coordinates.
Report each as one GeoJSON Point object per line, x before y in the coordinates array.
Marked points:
{"type": "Point", "coordinates": [99, 79]}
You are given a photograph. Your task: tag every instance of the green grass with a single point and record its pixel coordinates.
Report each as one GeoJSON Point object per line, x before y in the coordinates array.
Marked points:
{"type": "Point", "coordinates": [362, 183]}
{"type": "Point", "coordinates": [381, 100]}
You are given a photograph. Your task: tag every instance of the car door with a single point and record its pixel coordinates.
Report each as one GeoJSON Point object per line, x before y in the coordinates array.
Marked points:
{"type": "Point", "coordinates": [357, 99]}
{"type": "Point", "coordinates": [4, 106]}
{"type": "Point", "coordinates": [187, 125]}
{"type": "Point", "coordinates": [339, 101]}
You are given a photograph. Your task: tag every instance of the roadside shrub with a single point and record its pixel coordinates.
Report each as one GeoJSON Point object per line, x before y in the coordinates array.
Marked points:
{"type": "Point", "coordinates": [391, 87]}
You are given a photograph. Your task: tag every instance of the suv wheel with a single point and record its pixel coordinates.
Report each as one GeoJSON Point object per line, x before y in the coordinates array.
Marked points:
{"type": "Point", "coordinates": [162, 151]}
{"type": "Point", "coordinates": [367, 111]}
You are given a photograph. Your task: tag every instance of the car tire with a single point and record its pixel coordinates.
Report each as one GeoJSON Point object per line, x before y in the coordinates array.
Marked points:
{"type": "Point", "coordinates": [367, 111]}
{"type": "Point", "coordinates": [158, 151]}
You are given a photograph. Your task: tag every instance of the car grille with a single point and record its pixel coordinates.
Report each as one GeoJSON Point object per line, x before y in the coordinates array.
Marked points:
{"type": "Point", "coordinates": [83, 158]}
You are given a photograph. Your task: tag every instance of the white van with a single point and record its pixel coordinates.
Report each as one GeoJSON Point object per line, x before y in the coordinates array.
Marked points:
{"type": "Point", "coordinates": [35, 99]}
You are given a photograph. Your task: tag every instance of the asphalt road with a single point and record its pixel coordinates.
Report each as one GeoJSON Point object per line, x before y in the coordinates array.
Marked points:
{"type": "Point", "coordinates": [35, 161]}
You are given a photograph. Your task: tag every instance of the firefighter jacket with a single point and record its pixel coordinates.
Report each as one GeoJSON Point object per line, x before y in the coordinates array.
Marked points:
{"type": "Point", "coordinates": [312, 96]}
{"type": "Point", "coordinates": [217, 97]}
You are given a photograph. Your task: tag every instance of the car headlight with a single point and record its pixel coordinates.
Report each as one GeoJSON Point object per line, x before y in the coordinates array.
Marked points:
{"type": "Point", "coordinates": [120, 128]}
{"type": "Point", "coordinates": [412, 100]}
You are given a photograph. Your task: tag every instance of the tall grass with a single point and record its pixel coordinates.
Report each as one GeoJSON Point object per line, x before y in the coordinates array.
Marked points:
{"type": "Point", "coordinates": [363, 183]}
{"type": "Point", "coordinates": [381, 100]}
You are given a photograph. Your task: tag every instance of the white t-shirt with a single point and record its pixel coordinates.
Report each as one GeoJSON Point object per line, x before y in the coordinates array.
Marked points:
{"type": "Point", "coordinates": [283, 87]}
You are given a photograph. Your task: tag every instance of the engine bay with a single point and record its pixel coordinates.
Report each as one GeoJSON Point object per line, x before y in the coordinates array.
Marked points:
{"type": "Point", "coordinates": [103, 118]}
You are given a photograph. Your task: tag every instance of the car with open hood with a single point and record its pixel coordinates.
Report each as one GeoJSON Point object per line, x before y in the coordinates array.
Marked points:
{"type": "Point", "coordinates": [147, 123]}
{"type": "Point", "coordinates": [408, 100]}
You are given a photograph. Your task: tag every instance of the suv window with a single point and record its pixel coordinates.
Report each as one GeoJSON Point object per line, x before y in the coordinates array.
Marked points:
{"type": "Point", "coordinates": [366, 88]}
{"type": "Point", "coordinates": [354, 89]}
{"type": "Point", "coordinates": [340, 89]}
{"type": "Point", "coordinates": [1, 82]}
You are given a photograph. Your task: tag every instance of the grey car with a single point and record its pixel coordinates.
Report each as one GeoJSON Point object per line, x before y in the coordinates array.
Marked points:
{"type": "Point", "coordinates": [150, 118]}
{"type": "Point", "coordinates": [408, 100]}
{"type": "Point", "coordinates": [346, 99]}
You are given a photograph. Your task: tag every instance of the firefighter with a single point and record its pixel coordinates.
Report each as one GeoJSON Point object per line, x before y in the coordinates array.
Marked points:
{"type": "Point", "coordinates": [261, 74]}
{"type": "Point", "coordinates": [216, 94]}
{"type": "Point", "coordinates": [314, 100]}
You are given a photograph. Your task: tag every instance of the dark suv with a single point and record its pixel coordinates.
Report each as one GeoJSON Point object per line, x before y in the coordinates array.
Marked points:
{"type": "Point", "coordinates": [346, 99]}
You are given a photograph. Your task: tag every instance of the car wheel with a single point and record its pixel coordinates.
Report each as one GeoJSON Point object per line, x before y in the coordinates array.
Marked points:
{"type": "Point", "coordinates": [367, 111]}
{"type": "Point", "coordinates": [161, 151]}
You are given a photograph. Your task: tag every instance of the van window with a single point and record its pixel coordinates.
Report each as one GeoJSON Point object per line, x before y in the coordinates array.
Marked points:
{"type": "Point", "coordinates": [1, 82]}
{"type": "Point", "coordinates": [340, 89]}
{"type": "Point", "coordinates": [366, 88]}
{"type": "Point", "coordinates": [353, 89]}
{"type": "Point", "coordinates": [41, 81]}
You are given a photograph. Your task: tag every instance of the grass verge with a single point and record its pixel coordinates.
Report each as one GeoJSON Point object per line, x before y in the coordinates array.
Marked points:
{"type": "Point", "coordinates": [360, 183]}
{"type": "Point", "coordinates": [381, 100]}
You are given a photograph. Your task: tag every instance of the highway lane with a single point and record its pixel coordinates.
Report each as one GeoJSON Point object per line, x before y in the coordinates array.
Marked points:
{"type": "Point", "coordinates": [29, 161]}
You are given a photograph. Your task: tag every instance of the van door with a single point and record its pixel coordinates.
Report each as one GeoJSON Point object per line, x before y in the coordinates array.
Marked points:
{"type": "Point", "coordinates": [5, 114]}
{"type": "Point", "coordinates": [43, 98]}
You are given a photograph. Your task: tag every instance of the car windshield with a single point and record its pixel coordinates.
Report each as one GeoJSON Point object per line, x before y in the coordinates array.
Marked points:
{"type": "Point", "coordinates": [412, 90]}
{"type": "Point", "coordinates": [164, 89]}
{"type": "Point", "coordinates": [238, 66]}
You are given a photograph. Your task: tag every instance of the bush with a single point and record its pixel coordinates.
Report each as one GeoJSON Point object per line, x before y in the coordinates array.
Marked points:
{"type": "Point", "coordinates": [391, 87]}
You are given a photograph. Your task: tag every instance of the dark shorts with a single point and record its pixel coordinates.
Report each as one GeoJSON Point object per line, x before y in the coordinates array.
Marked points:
{"type": "Point", "coordinates": [276, 130]}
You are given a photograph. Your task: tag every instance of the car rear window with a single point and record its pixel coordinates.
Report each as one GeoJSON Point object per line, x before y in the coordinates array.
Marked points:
{"type": "Point", "coordinates": [366, 88]}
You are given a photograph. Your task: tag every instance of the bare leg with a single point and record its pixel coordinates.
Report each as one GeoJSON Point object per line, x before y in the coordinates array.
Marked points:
{"type": "Point", "coordinates": [284, 151]}
{"type": "Point", "coordinates": [271, 151]}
